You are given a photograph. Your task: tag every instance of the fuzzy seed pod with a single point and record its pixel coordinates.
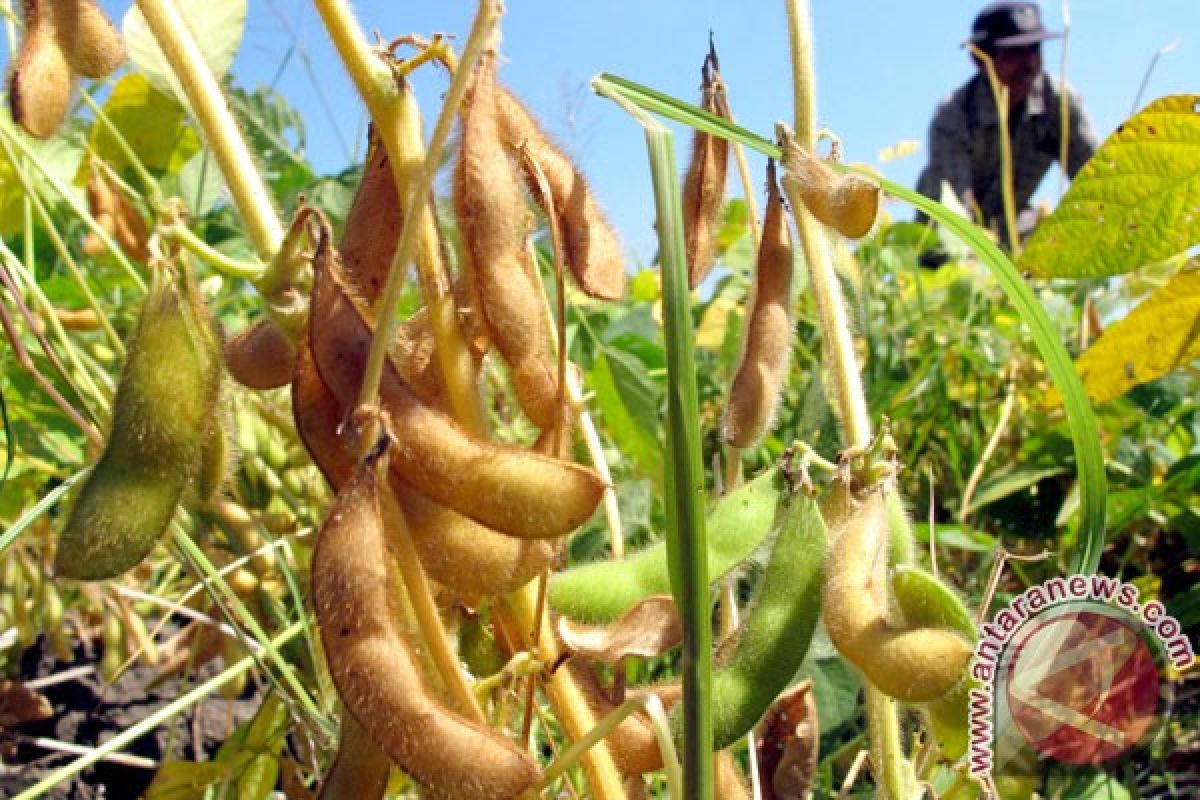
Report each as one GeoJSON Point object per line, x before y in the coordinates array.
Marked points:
{"type": "Point", "coordinates": [774, 639]}
{"type": "Point", "coordinates": [83, 319]}
{"type": "Point", "coordinates": [119, 218]}
{"type": "Point", "coordinates": [373, 667]}
{"type": "Point", "coordinates": [913, 664]}
{"type": "Point", "coordinates": [39, 89]}
{"type": "Point", "coordinates": [63, 38]}
{"type": "Point", "coordinates": [767, 340]}
{"type": "Point", "coordinates": [261, 356]}
{"type": "Point", "coordinates": [90, 42]}
{"type": "Point", "coordinates": [511, 491]}
{"type": "Point", "coordinates": [704, 182]}
{"type": "Point", "coordinates": [592, 249]}
{"type": "Point", "coordinates": [373, 224]}
{"type": "Point", "coordinates": [491, 210]}
{"type": "Point", "coordinates": [847, 203]}
{"type": "Point", "coordinates": [161, 419]}
{"type": "Point", "coordinates": [924, 600]}
{"type": "Point", "coordinates": [360, 770]}
{"type": "Point", "coordinates": [456, 551]}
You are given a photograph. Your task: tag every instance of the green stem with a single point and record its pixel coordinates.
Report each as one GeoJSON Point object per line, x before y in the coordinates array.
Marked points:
{"type": "Point", "coordinates": [226, 265]}
{"type": "Point", "coordinates": [98, 397]}
{"type": "Point", "coordinates": [686, 540]}
{"type": "Point", "coordinates": [215, 119]}
{"type": "Point", "coordinates": [132, 734]}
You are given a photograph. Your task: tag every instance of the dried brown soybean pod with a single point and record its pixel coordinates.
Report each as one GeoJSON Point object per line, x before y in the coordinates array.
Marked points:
{"type": "Point", "coordinates": [373, 668]}
{"type": "Point", "coordinates": [508, 490]}
{"type": "Point", "coordinates": [767, 341]}
{"type": "Point", "coordinates": [39, 89]}
{"type": "Point", "coordinates": [847, 203]}
{"type": "Point", "coordinates": [632, 743]}
{"type": "Point", "coordinates": [456, 551]}
{"type": "Point", "coordinates": [360, 770]}
{"type": "Point", "coordinates": [261, 356]}
{"type": "Point", "coordinates": [914, 665]}
{"type": "Point", "coordinates": [90, 42]}
{"type": "Point", "coordinates": [704, 181]}
{"type": "Point", "coordinates": [373, 223]}
{"type": "Point", "coordinates": [593, 251]}
{"type": "Point", "coordinates": [491, 214]}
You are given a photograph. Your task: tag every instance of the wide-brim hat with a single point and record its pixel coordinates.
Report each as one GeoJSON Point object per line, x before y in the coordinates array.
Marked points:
{"type": "Point", "coordinates": [1010, 24]}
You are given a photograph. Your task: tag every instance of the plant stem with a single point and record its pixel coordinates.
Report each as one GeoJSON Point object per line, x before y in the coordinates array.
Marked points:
{"type": "Point", "coordinates": [687, 545]}
{"type": "Point", "coordinates": [517, 614]}
{"type": "Point", "coordinates": [1000, 97]}
{"type": "Point", "coordinates": [425, 610]}
{"type": "Point", "coordinates": [883, 724]}
{"type": "Point", "coordinates": [220, 129]}
{"type": "Point", "coordinates": [224, 264]}
{"type": "Point", "coordinates": [396, 117]}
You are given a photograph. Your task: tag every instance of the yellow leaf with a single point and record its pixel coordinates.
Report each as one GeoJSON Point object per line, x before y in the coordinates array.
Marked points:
{"type": "Point", "coordinates": [1158, 336]}
{"type": "Point", "coordinates": [154, 125]}
{"type": "Point", "coordinates": [711, 332]}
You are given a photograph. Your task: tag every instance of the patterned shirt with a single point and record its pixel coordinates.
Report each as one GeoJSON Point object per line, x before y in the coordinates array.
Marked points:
{"type": "Point", "coordinates": [964, 145]}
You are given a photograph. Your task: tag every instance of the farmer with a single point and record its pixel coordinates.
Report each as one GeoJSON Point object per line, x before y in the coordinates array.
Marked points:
{"type": "Point", "coordinates": [964, 138]}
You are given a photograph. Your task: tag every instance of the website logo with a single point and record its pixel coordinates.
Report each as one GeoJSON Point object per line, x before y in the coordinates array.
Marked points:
{"type": "Point", "coordinates": [1071, 671]}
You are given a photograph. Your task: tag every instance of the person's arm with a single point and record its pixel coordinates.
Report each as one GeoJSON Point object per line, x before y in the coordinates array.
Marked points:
{"type": "Point", "coordinates": [1082, 142]}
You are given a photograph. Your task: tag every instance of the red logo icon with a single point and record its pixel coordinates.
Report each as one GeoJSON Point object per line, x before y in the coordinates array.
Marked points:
{"type": "Point", "coordinates": [1083, 686]}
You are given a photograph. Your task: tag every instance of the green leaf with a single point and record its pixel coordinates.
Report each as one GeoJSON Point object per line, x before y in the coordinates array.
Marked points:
{"type": "Point", "coordinates": [1010, 482]}
{"type": "Point", "coordinates": [1185, 607]}
{"type": "Point", "coordinates": [625, 397]}
{"type": "Point", "coordinates": [956, 537]}
{"type": "Point", "coordinates": [184, 780]}
{"type": "Point", "coordinates": [200, 183]}
{"type": "Point", "coordinates": [216, 25]}
{"type": "Point", "coordinates": [1132, 204]}
{"type": "Point", "coordinates": [252, 752]}
{"type": "Point", "coordinates": [1159, 336]}
{"type": "Point", "coordinates": [835, 688]}
{"type": "Point", "coordinates": [153, 124]}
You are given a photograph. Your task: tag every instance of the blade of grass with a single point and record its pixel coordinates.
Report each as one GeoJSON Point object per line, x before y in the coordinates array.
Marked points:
{"type": "Point", "coordinates": [687, 547]}
{"type": "Point", "coordinates": [148, 724]}
{"type": "Point", "coordinates": [1089, 455]}
{"type": "Point", "coordinates": [39, 508]}
{"type": "Point", "coordinates": [229, 603]}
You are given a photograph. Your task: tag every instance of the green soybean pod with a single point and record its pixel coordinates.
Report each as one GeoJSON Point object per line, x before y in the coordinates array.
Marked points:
{"type": "Point", "coordinates": [926, 601]}
{"type": "Point", "coordinates": [778, 629]}
{"type": "Point", "coordinates": [604, 590]}
{"type": "Point", "coordinates": [161, 414]}
{"type": "Point", "coordinates": [900, 532]}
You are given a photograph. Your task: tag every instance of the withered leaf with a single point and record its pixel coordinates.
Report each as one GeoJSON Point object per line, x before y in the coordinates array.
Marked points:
{"type": "Point", "coordinates": [788, 737]}
{"type": "Point", "coordinates": [649, 629]}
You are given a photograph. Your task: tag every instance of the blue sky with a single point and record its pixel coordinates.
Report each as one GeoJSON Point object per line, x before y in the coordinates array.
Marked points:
{"type": "Point", "coordinates": [882, 67]}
